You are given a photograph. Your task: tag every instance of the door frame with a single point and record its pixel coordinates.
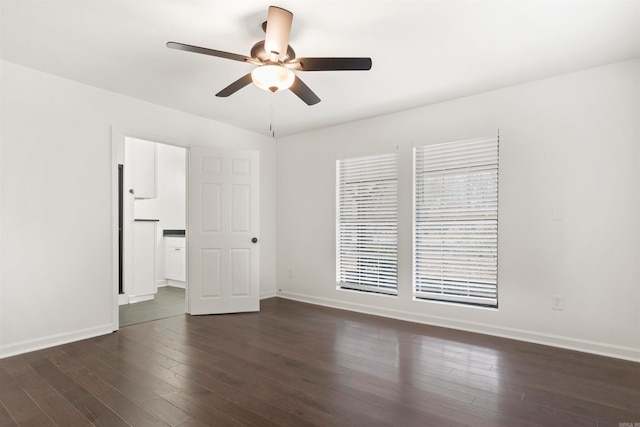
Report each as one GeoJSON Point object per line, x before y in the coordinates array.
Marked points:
{"type": "Point", "coordinates": [118, 136]}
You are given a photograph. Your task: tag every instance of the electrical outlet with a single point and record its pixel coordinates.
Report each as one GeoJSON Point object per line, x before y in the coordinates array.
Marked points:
{"type": "Point", "coordinates": [290, 273]}
{"type": "Point", "coordinates": [557, 302]}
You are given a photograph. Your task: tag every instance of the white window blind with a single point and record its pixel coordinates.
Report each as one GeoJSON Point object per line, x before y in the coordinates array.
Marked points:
{"type": "Point", "coordinates": [367, 217]}
{"type": "Point", "coordinates": [456, 221]}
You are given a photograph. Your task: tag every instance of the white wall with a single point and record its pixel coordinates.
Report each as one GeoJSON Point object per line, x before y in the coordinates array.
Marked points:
{"type": "Point", "coordinates": [571, 142]}
{"type": "Point", "coordinates": [56, 177]}
{"type": "Point", "coordinates": [169, 207]}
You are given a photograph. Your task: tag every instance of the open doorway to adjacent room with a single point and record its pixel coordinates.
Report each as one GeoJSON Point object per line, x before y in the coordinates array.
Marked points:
{"type": "Point", "coordinates": [152, 230]}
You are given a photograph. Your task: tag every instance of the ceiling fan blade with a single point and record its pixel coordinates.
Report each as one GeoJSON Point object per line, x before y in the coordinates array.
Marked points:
{"type": "Point", "coordinates": [277, 31]}
{"type": "Point", "coordinates": [211, 52]}
{"type": "Point", "coordinates": [303, 92]}
{"type": "Point", "coordinates": [330, 64]}
{"type": "Point", "coordinates": [235, 86]}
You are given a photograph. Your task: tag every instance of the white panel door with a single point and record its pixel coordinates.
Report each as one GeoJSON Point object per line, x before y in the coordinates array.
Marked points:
{"type": "Point", "coordinates": [223, 231]}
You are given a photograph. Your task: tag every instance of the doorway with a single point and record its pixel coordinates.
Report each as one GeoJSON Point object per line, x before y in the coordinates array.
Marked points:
{"type": "Point", "coordinates": [222, 208]}
{"type": "Point", "coordinates": [153, 205]}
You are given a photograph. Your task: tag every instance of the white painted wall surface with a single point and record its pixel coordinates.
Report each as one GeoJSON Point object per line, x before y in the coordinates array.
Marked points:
{"type": "Point", "coordinates": [170, 204]}
{"type": "Point", "coordinates": [56, 276]}
{"type": "Point", "coordinates": [570, 142]}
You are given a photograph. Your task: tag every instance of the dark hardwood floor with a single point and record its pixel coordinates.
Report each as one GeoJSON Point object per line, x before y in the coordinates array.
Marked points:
{"type": "Point", "coordinates": [302, 365]}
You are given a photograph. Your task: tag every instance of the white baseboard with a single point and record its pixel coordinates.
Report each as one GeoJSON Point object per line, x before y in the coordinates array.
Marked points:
{"type": "Point", "coordinates": [268, 294]}
{"type": "Point", "coordinates": [176, 284]}
{"type": "Point", "coordinates": [602, 349]}
{"type": "Point", "coordinates": [53, 340]}
{"type": "Point", "coordinates": [140, 298]}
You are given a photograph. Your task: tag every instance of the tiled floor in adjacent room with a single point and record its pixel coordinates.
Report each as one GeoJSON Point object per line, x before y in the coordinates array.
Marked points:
{"type": "Point", "coordinates": [169, 301]}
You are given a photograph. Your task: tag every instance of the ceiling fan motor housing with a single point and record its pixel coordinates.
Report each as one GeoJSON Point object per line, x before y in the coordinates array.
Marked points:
{"type": "Point", "coordinates": [259, 52]}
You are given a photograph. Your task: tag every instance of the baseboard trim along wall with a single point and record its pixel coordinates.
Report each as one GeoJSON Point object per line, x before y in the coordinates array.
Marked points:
{"type": "Point", "coordinates": [602, 349]}
{"type": "Point", "coordinates": [269, 294]}
{"type": "Point", "coordinates": [140, 298]}
{"type": "Point", "coordinates": [53, 340]}
{"type": "Point", "coordinates": [176, 284]}
{"type": "Point", "coordinates": [619, 352]}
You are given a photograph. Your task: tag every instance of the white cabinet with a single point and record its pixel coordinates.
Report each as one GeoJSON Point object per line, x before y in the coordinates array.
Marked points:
{"type": "Point", "coordinates": [144, 169]}
{"type": "Point", "coordinates": [144, 261]}
{"type": "Point", "coordinates": [175, 259]}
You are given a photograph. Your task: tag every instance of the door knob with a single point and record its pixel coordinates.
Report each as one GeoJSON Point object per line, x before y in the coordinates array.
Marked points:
{"type": "Point", "coordinates": [254, 240]}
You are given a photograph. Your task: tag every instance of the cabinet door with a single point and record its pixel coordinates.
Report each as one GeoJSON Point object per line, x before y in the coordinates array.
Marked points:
{"type": "Point", "coordinates": [182, 265]}
{"type": "Point", "coordinates": [144, 172]}
{"type": "Point", "coordinates": [175, 259]}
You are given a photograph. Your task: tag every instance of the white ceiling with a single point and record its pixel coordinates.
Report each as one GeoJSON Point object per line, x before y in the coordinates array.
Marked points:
{"type": "Point", "coordinates": [423, 52]}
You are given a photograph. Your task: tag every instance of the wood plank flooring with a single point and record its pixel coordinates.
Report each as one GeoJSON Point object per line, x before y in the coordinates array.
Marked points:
{"type": "Point", "coordinates": [297, 364]}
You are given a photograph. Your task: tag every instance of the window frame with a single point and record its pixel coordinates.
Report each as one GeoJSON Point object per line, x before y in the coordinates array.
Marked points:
{"type": "Point", "coordinates": [480, 286]}
{"type": "Point", "coordinates": [373, 178]}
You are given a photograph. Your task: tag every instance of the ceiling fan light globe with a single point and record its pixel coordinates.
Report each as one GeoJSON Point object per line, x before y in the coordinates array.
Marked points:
{"type": "Point", "coordinates": [273, 78]}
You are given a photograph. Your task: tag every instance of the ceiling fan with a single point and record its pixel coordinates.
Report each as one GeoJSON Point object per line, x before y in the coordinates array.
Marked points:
{"type": "Point", "coordinates": [276, 60]}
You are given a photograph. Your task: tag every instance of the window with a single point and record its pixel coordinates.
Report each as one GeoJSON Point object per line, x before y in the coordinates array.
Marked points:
{"type": "Point", "coordinates": [367, 223]}
{"type": "Point", "coordinates": [456, 222]}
